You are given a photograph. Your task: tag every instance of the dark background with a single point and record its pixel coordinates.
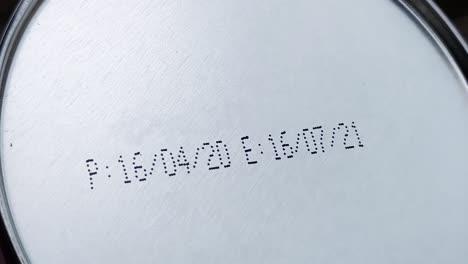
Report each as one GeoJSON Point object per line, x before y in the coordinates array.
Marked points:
{"type": "Point", "coordinates": [456, 10]}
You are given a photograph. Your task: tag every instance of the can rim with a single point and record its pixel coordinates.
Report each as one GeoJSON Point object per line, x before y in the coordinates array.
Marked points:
{"type": "Point", "coordinates": [11, 246]}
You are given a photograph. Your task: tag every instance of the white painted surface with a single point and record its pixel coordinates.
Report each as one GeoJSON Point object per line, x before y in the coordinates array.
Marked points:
{"type": "Point", "coordinates": [99, 79]}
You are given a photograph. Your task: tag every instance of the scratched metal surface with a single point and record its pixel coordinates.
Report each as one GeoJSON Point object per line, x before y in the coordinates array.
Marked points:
{"type": "Point", "coordinates": [100, 79]}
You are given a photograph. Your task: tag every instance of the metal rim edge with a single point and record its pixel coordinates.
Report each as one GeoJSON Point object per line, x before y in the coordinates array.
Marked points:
{"type": "Point", "coordinates": [14, 251]}
{"type": "Point", "coordinates": [441, 30]}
